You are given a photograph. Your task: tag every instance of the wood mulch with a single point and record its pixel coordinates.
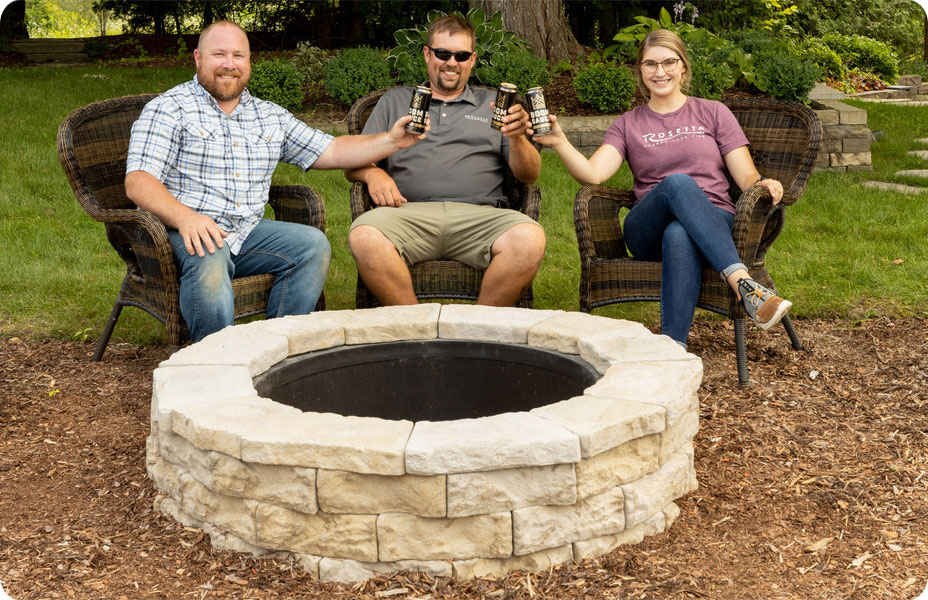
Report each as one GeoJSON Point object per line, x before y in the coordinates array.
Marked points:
{"type": "Point", "coordinates": [813, 483]}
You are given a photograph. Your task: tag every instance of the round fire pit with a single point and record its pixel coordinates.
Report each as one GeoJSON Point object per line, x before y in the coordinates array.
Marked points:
{"type": "Point", "coordinates": [458, 440]}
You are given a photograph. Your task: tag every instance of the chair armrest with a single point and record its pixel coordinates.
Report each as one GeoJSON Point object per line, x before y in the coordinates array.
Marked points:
{"type": "Point", "coordinates": [142, 242]}
{"type": "Point", "coordinates": [360, 200]}
{"type": "Point", "coordinates": [755, 213]}
{"type": "Point", "coordinates": [298, 204]}
{"type": "Point", "coordinates": [531, 203]}
{"type": "Point", "coordinates": [596, 221]}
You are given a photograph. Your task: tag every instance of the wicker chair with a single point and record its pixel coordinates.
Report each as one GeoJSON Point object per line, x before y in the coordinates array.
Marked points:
{"type": "Point", "coordinates": [92, 145]}
{"type": "Point", "coordinates": [784, 144]}
{"type": "Point", "coordinates": [432, 279]}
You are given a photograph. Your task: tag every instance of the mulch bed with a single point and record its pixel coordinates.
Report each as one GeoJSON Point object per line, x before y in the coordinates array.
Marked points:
{"type": "Point", "coordinates": [812, 484]}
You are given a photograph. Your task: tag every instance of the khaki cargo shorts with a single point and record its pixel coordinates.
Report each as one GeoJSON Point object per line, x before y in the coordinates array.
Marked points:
{"type": "Point", "coordinates": [443, 230]}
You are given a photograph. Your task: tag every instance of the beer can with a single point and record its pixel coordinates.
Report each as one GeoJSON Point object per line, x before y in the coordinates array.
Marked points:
{"type": "Point", "coordinates": [538, 111]}
{"type": "Point", "coordinates": [419, 109]}
{"type": "Point", "coordinates": [505, 96]}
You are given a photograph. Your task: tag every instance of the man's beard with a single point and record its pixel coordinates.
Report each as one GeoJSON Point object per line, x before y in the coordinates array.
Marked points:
{"type": "Point", "coordinates": [446, 87]}
{"type": "Point", "coordinates": [223, 90]}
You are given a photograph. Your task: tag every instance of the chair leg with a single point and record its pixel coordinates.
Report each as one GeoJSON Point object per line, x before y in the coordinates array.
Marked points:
{"type": "Point", "coordinates": [107, 332]}
{"type": "Point", "coordinates": [791, 332]}
{"type": "Point", "coordinates": [741, 353]}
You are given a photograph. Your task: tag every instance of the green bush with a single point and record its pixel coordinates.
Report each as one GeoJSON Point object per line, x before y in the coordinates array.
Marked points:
{"type": "Point", "coordinates": [827, 60]}
{"type": "Point", "coordinates": [709, 77]}
{"type": "Point", "coordinates": [96, 47]}
{"type": "Point", "coordinates": [277, 81]}
{"type": "Point", "coordinates": [786, 77]}
{"type": "Point", "coordinates": [310, 61]}
{"type": "Point", "coordinates": [914, 66]}
{"type": "Point", "coordinates": [859, 52]}
{"type": "Point", "coordinates": [356, 72]}
{"type": "Point", "coordinates": [607, 87]}
{"type": "Point", "coordinates": [760, 43]}
{"type": "Point", "coordinates": [521, 69]}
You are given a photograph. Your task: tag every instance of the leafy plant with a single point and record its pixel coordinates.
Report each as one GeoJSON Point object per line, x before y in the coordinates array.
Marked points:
{"type": "Point", "coordinates": [709, 78]}
{"type": "Point", "coordinates": [491, 40]}
{"type": "Point", "coordinates": [279, 82]}
{"type": "Point", "coordinates": [521, 69]}
{"type": "Point", "coordinates": [606, 86]}
{"type": "Point", "coordinates": [915, 66]}
{"type": "Point", "coordinates": [786, 77]}
{"type": "Point", "coordinates": [563, 66]}
{"type": "Point", "coordinates": [356, 72]}
{"type": "Point", "coordinates": [96, 47]}
{"type": "Point", "coordinates": [859, 52]}
{"type": "Point", "coordinates": [827, 60]}
{"type": "Point", "coordinates": [310, 61]}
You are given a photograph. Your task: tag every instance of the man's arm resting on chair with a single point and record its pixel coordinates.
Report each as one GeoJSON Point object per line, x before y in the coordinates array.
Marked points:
{"type": "Point", "coordinates": [199, 231]}
{"type": "Point", "coordinates": [380, 185]}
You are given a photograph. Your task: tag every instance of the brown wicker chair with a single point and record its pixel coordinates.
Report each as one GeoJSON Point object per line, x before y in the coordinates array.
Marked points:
{"type": "Point", "coordinates": [784, 143]}
{"type": "Point", "coordinates": [432, 279]}
{"type": "Point", "coordinates": [92, 145]}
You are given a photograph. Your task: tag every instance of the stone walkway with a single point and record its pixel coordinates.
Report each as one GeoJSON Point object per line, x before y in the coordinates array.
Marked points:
{"type": "Point", "coordinates": [920, 173]}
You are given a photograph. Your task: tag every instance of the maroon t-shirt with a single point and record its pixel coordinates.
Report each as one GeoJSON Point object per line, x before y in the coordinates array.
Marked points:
{"type": "Point", "coordinates": [691, 140]}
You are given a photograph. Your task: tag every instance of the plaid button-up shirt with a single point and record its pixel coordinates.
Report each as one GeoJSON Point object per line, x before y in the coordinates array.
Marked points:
{"type": "Point", "coordinates": [220, 165]}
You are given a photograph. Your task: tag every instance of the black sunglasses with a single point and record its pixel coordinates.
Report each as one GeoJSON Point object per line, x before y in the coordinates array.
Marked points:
{"type": "Point", "coordinates": [443, 54]}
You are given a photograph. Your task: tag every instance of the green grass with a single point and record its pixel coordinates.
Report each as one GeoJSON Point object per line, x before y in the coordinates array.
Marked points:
{"type": "Point", "coordinates": [59, 276]}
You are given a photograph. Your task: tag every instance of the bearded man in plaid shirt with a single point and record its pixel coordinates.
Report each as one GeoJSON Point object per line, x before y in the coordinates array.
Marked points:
{"type": "Point", "coordinates": [201, 157]}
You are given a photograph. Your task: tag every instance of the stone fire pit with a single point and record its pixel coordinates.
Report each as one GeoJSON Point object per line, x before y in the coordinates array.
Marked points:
{"type": "Point", "coordinates": [261, 436]}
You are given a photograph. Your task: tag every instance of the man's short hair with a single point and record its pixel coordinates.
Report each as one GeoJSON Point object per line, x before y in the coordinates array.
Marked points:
{"type": "Point", "coordinates": [452, 24]}
{"type": "Point", "coordinates": [215, 24]}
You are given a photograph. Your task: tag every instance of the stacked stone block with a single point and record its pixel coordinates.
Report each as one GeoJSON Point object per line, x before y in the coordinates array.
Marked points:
{"type": "Point", "coordinates": [351, 497]}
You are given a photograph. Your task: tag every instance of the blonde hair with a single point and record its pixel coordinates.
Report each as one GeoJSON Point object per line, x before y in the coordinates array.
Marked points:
{"type": "Point", "coordinates": [662, 38]}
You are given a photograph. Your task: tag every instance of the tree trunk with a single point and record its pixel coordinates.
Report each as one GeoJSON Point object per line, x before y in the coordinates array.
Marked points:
{"type": "Point", "coordinates": [541, 22]}
{"type": "Point", "coordinates": [13, 21]}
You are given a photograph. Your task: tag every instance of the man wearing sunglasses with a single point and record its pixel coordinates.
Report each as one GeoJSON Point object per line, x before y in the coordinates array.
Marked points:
{"type": "Point", "coordinates": [442, 198]}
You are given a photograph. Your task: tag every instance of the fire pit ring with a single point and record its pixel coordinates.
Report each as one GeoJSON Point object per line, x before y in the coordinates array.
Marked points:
{"type": "Point", "coordinates": [543, 481]}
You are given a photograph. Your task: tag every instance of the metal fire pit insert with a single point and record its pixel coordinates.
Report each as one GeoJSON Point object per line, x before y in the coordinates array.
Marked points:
{"type": "Point", "coordinates": [458, 440]}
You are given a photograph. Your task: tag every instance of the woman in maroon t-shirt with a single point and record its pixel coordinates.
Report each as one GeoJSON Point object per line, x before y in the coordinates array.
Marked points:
{"type": "Point", "coordinates": [678, 149]}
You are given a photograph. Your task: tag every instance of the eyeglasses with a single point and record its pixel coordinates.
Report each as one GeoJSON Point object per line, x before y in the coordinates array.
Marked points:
{"type": "Point", "coordinates": [442, 54]}
{"type": "Point", "coordinates": [669, 64]}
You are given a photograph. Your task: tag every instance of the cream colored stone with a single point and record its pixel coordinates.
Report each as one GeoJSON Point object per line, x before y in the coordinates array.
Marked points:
{"type": "Point", "coordinates": [356, 493]}
{"type": "Point", "coordinates": [187, 457]}
{"type": "Point", "coordinates": [502, 324]}
{"type": "Point", "coordinates": [227, 542]}
{"type": "Point", "coordinates": [165, 476]}
{"type": "Point", "coordinates": [327, 440]}
{"type": "Point", "coordinates": [402, 536]}
{"type": "Point", "coordinates": [507, 489]}
{"type": "Point", "coordinates": [171, 507]}
{"type": "Point", "coordinates": [604, 350]}
{"type": "Point", "coordinates": [679, 435]}
{"type": "Point", "coordinates": [672, 384]}
{"type": "Point", "coordinates": [238, 345]}
{"type": "Point", "coordinates": [563, 331]}
{"type": "Point", "coordinates": [310, 563]}
{"type": "Point", "coordinates": [233, 515]}
{"type": "Point", "coordinates": [622, 464]}
{"type": "Point", "coordinates": [465, 570]}
{"type": "Point", "coordinates": [290, 487]}
{"type": "Point", "coordinates": [653, 492]}
{"type": "Point", "coordinates": [391, 324]}
{"type": "Point", "coordinates": [174, 387]}
{"type": "Point", "coordinates": [336, 536]}
{"type": "Point", "coordinates": [305, 333]}
{"type": "Point", "coordinates": [602, 423]}
{"type": "Point", "coordinates": [501, 441]}
{"type": "Point", "coordinates": [538, 527]}
{"type": "Point", "coordinates": [604, 544]}
{"type": "Point", "coordinates": [671, 512]}
{"type": "Point", "coordinates": [349, 571]}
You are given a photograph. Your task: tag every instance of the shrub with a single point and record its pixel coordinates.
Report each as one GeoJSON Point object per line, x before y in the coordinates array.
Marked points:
{"type": "Point", "coordinates": [607, 87]}
{"type": "Point", "coordinates": [96, 47]}
{"type": "Point", "coordinates": [915, 66]}
{"type": "Point", "coordinates": [786, 77]}
{"type": "Point", "coordinates": [310, 61]}
{"type": "Point", "coordinates": [277, 81]}
{"type": "Point", "coordinates": [356, 72]}
{"type": "Point", "coordinates": [859, 52]}
{"type": "Point", "coordinates": [708, 77]}
{"type": "Point", "coordinates": [827, 60]}
{"type": "Point", "coordinates": [760, 43]}
{"type": "Point", "coordinates": [521, 69]}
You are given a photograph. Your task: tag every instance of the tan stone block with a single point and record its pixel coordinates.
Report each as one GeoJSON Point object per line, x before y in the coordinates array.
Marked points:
{"type": "Point", "coordinates": [465, 570]}
{"type": "Point", "coordinates": [349, 571]}
{"type": "Point", "coordinates": [538, 527]}
{"type": "Point", "coordinates": [840, 132]}
{"type": "Point", "coordinates": [855, 145]}
{"type": "Point", "coordinates": [290, 487]}
{"type": "Point", "coordinates": [853, 116]}
{"type": "Point", "coordinates": [310, 563]}
{"type": "Point", "coordinates": [604, 544]}
{"type": "Point", "coordinates": [592, 138]}
{"type": "Point", "coordinates": [563, 331]}
{"type": "Point", "coordinates": [165, 476]}
{"type": "Point", "coordinates": [336, 536]}
{"type": "Point", "coordinates": [828, 117]}
{"type": "Point", "coordinates": [507, 489]}
{"type": "Point", "coordinates": [653, 492]}
{"type": "Point", "coordinates": [187, 457]}
{"type": "Point", "coordinates": [391, 324]}
{"type": "Point", "coordinates": [829, 146]}
{"type": "Point", "coordinates": [602, 422]}
{"type": "Point", "coordinates": [622, 464]}
{"type": "Point", "coordinates": [851, 158]}
{"type": "Point", "coordinates": [403, 536]}
{"type": "Point", "coordinates": [238, 345]}
{"type": "Point", "coordinates": [679, 435]}
{"type": "Point", "coordinates": [356, 493]}
{"type": "Point", "coordinates": [305, 333]}
{"type": "Point", "coordinates": [671, 512]}
{"type": "Point", "coordinates": [327, 440]}
{"type": "Point", "coordinates": [231, 514]}
{"type": "Point", "coordinates": [503, 324]}
{"type": "Point", "coordinates": [605, 350]}
{"type": "Point", "coordinates": [174, 387]}
{"type": "Point", "coordinates": [226, 542]}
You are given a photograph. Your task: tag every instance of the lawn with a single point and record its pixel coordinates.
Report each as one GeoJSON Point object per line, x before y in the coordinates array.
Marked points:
{"type": "Point", "coordinates": [847, 251]}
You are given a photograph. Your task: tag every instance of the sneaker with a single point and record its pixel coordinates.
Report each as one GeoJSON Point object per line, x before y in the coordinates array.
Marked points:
{"type": "Point", "coordinates": [763, 306]}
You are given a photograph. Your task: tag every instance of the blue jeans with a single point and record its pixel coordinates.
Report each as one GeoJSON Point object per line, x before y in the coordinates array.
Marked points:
{"type": "Point", "coordinates": [677, 224]}
{"type": "Point", "coordinates": [297, 255]}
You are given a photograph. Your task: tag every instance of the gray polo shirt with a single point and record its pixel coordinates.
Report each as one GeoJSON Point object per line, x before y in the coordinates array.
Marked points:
{"type": "Point", "coordinates": [461, 159]}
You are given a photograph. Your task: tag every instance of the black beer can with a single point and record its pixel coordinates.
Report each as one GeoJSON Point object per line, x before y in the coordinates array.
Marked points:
{"type": "Point", "coordinates": [538, 111]}
{"type": "Point", "coordinates": [419, 109]}
{"type": "Point", "coordinates": [505, 96]}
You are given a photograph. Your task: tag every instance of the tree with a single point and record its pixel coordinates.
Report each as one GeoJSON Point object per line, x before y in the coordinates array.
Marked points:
{"type": "Point", "coordinates": [541, 22]}
{"type": "Point", "coordinates": [13, 21]}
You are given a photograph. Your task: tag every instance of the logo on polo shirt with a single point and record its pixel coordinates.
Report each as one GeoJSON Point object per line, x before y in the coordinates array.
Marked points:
{"type": "Point", "coordinates": [476, 118]}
